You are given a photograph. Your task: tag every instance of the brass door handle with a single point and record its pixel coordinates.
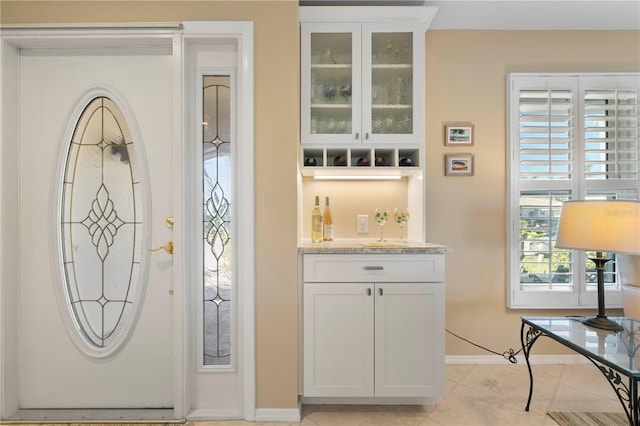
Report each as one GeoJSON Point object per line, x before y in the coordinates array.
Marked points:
{"type": "Point", "coordinates": [168, 247]}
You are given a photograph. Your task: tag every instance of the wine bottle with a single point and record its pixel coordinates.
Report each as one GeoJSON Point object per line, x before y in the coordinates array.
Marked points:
{"type": "Point", "coordinates": [340, 160]}
{"type": "Point", "coordinates": [316, 222]}
{"type": "Point", "coordinates": [327, 222]}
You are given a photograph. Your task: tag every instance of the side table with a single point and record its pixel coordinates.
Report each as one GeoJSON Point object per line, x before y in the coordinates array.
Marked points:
{"type": "Point", "coordinates": [616, 354]}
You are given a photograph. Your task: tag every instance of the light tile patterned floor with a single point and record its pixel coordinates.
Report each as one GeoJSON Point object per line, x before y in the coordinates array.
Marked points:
{"type": "Point", "coordinates": [481, 395]}
{"type": "Point", "coordinates": [478, 395]}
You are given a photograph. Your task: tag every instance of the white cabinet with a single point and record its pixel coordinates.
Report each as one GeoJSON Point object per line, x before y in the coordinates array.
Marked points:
{"type": "Point", "coordinates": [376, 332]}
{"type": "Point", "coordinates": [362, 81]}
{"type": "Point", "coordinates": [338, 339]}
{"type": "Point", "coordinates": [331, 90]}
{"type": "Point", "coordinates": [409, 353]}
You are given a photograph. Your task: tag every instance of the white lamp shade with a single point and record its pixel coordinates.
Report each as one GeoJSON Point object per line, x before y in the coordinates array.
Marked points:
{"type": "Point", "coordinates": [611, 226]}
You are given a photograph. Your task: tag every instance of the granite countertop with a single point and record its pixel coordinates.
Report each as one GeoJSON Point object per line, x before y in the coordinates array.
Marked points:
{"type": "Point", "coordinates": [364, 246]}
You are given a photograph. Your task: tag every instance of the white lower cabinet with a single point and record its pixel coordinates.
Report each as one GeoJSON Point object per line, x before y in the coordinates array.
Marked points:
{"type": "Point", "coordinates": [338, 340]}
{"type": "Point", "coordinates": [375, 338]}
{"type": "Point", "coordinates": [409, 356]}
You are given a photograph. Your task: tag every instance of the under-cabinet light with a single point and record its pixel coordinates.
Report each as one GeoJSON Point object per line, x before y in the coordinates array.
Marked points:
{"type": "Point", "coordinates": [357, 177]}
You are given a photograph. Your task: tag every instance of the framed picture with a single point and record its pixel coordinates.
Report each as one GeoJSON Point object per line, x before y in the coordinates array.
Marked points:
{"type": "Point", "coordinates": [458, 164]}
{"type": "Point", "coordinates": [458, 133]}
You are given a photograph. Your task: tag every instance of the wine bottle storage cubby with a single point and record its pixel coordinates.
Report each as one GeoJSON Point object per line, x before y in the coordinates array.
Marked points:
{"type": "Point", "coordinates": [408, 158]}
{"type": "Point", "coordinates": [359, 158]}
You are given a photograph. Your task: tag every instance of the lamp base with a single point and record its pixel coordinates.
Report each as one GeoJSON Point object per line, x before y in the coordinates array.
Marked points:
{"type": "Point", "coordinates": [602, 322]}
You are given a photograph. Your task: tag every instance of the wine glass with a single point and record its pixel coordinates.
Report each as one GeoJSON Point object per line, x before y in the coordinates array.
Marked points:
{"type": "Point", "coordinates": [381, 217]}
{"type": "Point", "coordinates": [401, 218]}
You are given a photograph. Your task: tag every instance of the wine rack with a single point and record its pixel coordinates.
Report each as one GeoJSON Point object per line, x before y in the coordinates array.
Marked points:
{"type": "Point", "coordinates": [406, 161]}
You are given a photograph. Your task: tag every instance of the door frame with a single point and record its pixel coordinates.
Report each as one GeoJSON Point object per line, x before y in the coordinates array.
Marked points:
{"type": "Point", "coordinates": [160, 36]}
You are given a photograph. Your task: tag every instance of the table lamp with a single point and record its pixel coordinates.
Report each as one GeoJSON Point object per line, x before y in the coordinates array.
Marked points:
{"type": "Point", "coordinates": [611, 226]}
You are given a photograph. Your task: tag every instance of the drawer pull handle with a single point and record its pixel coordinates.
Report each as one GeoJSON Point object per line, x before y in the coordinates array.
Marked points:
{"type": "Point", "coordinates": [374, 268]}
{"type": "Point", "coordinates": [380, 291]}
{"type": "Point", "coordinates": [368, 292]}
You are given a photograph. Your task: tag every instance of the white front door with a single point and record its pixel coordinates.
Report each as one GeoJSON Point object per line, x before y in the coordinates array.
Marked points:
{"type": "Point", "coordinates": [54, 370]}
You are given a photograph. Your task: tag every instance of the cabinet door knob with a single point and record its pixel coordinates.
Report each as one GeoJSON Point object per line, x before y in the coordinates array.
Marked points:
{"type": "Point", "coordinates": [374, 268]}
{"type": "Point", "coordinates": [380, 291]}
{"type": "Point", "coordinates": [368, 292]}
{"type": "Point", "coordinates": [366, 135]}
{"type": "Point", "coordinates": [357, 135]}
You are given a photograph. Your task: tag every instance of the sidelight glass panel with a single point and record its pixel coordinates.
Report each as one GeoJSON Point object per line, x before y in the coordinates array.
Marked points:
{"type": "Point", "coordinates": [101, 226]}
{"type": "Point", "coordinates": [217, 270]}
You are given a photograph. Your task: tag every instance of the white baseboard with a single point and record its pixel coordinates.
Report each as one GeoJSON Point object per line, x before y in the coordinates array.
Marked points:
{"type": "Point", "coordinates": [533, 359]}
{"type": "Point", "coordinates": [205, 414]}
{"type": "Point", "coordinates": [293, 415]}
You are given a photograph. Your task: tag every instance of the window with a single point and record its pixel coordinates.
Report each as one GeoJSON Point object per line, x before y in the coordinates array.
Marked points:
{"type": "Point", "coordinates": [570, 137]}
{"type": "Point", "coordinates": [103, 223]}
{"type": "Point", "coordinates": [217, 202]}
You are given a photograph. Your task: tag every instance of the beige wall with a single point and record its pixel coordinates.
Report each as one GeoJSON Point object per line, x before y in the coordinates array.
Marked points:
{"type": "Point", "coordinates": [351, 198]}
{"type": "Point", "coordinates": [277, 100]}
{"type": "Point", "coordinates": [465, 81]}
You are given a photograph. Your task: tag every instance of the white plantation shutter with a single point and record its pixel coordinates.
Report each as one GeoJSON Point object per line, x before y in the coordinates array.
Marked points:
{"type": "Point", "coordinates": [546, 133]}
{"type": "Point", "coordinates": [611, 134]}
{"type": "Point", "coordinates": [570, 137]}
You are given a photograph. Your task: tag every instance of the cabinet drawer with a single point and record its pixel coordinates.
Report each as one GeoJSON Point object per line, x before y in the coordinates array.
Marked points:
{"type": "Point", "coordinates": [373, 268]}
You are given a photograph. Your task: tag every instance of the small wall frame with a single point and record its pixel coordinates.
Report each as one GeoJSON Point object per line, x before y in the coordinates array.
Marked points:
{"type": "Point", "coordinates": [459, 164]}
{"type": "Point", "coordinates": [458, 133]}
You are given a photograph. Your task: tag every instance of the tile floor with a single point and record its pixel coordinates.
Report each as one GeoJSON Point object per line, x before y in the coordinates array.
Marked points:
{"type": "Point", "coordinates": [478, 395]}
{"type": "Point", "coordinates": [481, 395]}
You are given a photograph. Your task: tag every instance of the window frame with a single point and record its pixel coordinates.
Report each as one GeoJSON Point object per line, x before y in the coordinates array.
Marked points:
{"type": "Point", "coordinates": [577, 184]}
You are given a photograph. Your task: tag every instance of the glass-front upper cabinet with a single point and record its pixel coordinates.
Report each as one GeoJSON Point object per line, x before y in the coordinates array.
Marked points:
{"type": "Point", "coordinates": [330, 79]}
{"type": "Point", "coordinates": [362, 83]}
{"type": "Point", "coordinates": [388, 85]}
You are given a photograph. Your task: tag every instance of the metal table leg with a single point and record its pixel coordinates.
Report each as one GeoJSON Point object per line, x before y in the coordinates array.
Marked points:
{"type": "Point", "coordinates": [527, 340]}
{"type": "Point", "coordinates": [635, 402]}
{"type": "Point", "coordinates": [627, 394]}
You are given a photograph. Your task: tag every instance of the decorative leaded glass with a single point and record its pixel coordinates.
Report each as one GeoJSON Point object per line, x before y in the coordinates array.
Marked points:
{"type": "Point", "coordinates": [217, 283]}
{"type": "Point", "coordinates": [101, 226]}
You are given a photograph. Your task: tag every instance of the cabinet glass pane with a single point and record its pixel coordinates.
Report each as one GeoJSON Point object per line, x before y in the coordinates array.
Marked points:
{"type": "Point", "coordinates": [392, 83]}
{"type": "Point", "coordinates": [331, 107]}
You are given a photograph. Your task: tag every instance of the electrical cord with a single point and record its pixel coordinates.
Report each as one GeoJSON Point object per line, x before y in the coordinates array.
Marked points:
{"type": "Point", "coordinates": [509, 354]}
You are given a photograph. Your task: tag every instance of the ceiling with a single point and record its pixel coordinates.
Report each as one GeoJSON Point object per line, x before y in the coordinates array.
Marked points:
{"type": "Point", "coordinates": [518, 14]}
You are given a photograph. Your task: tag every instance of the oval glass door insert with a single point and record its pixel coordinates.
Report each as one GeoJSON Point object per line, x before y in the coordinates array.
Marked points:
{"type": "Point", "coordinates": [102, 227]}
